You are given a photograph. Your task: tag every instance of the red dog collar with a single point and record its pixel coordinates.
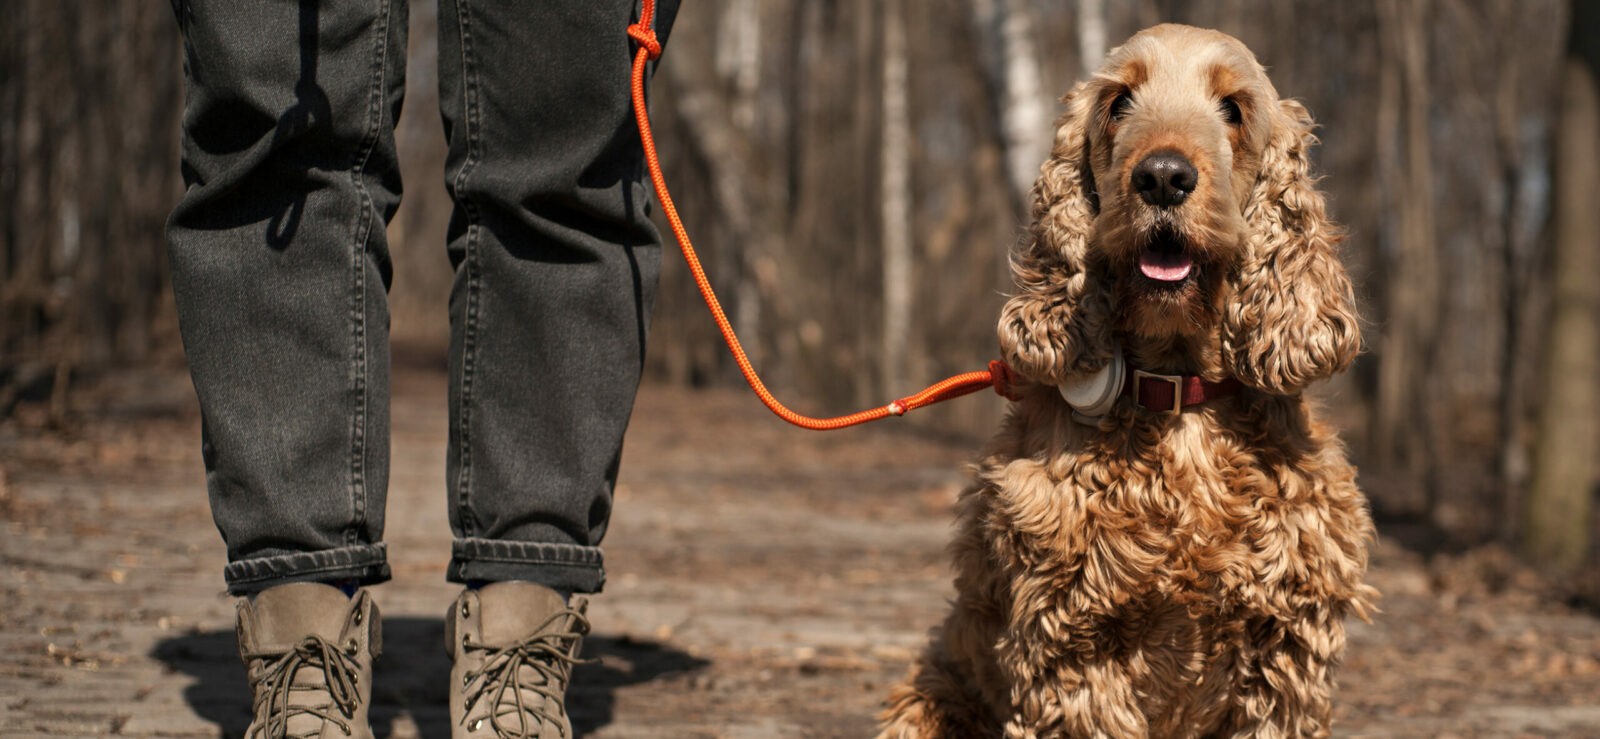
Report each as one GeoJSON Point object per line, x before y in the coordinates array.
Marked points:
{"type": "Point", "coordinates": [1170, 393]}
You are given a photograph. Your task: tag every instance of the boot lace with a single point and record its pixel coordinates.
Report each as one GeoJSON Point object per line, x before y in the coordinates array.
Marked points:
{"type": "Point", "coordinates": [277, 685]}
{"type": "Point", "coordinates": [525, 682]}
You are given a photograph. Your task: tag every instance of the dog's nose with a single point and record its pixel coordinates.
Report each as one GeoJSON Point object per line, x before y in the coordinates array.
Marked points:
{"type": "Point", "coordinates": [1165, 179]}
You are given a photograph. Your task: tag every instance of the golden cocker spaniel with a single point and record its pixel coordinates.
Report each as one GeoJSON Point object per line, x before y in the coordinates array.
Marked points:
{"type": "Point", "coordinates": [1163, 539]}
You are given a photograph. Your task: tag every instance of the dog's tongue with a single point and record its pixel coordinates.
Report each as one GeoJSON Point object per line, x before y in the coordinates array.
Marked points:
{"type": "Point", "coordinates": [1166, 266]}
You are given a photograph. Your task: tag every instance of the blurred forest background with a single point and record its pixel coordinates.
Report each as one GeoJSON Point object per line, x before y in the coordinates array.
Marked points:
{"type": "Point", "coordinates": [855, 172]}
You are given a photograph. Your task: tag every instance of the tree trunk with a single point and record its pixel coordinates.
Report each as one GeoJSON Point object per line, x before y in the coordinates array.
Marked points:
{"type": "Point", "coordinates": [1011, 66]}
{"type": "Point", "coordinates": [1405, 431]}
{"type": "Point", "coordinates": [896, 206]}
{"type": "Point", "coordinates": [1091, 34]}
{"type": "Point", "coordinates": [1556, 532]}
{"type": "Point", "coordinates": [89, 101]}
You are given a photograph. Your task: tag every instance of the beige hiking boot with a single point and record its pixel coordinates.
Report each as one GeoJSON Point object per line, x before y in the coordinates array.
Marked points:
{"type": "Point", "coordinates": [308, 649]}
{"type": "Point", "coordinates": [512, 646]}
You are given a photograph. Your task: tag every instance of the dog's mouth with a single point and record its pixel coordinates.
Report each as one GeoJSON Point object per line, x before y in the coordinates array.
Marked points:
{"type": "Point", "coordinates": [1166, 260]}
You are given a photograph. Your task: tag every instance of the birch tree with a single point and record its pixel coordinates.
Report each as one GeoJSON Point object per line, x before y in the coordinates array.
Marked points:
{"type": "Point", "coordinates": [895, 210]}
{"type": "Point", "coordinates": [1091, 34]}
{"type": "Point", "coordinates": [1011, 61]}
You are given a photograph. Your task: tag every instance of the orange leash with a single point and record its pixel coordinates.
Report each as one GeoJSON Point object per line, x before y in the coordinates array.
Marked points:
{"type": "Point", "coordinates": [998, 376]}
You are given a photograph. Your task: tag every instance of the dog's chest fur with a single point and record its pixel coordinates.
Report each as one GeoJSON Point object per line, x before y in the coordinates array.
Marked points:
{"type": "Point", "coordinates": [1165, 549]}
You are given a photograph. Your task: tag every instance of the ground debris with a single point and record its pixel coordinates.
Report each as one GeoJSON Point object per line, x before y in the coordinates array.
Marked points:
{"type": "Point", "coordinates": [764, 581]}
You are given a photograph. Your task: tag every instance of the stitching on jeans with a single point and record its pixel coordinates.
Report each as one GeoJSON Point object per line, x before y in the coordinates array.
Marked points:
{"type": "Point", "coordinates": [528, 552]}
{"type": "Point", "coordinates": [509, 545]}
{"type": "Point", "coordinates": [371, 555]}
{"type": "Point", "coordinates": [364, 215]}
{"type": "Point", "coordinates": [596, 565]}
{"type": "Point", "coordinates": [265, 571]}
{"type": "Point", "coordinates": [567, 555]}
{"type": "Point", "coordinates": [469, 341]}
{"type": "Point", "coordinates": [233, 579]}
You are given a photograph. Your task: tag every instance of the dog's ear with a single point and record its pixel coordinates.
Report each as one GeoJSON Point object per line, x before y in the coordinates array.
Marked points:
{"type": "Point", "coordinates": [1292, 319]}
{"type": "Point", "coordinates": [1059, 322]}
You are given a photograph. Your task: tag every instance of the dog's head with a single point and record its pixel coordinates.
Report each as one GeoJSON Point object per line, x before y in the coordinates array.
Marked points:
{"type": "Point", "coordinates": [1177, 204]}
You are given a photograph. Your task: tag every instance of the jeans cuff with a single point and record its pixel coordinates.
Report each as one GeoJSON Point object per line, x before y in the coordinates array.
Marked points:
{"type": "Point", "coordinates": [571, 567]}
{"type": "Point", "coordinates": [367, 564]}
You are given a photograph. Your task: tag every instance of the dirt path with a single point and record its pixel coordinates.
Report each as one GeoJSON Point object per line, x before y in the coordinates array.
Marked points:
{"type": "Point", "coordinates": [765, 582]}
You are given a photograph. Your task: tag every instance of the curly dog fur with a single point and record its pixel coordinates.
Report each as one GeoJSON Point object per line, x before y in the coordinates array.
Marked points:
{"type": "Point", "coordinates": [1156, 574]}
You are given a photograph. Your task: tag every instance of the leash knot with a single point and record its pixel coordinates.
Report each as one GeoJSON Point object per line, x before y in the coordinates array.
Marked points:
{"type": "Point", "coordinates": [645, 37]}
{"type": "Point", "coordinates": [1005, 380]}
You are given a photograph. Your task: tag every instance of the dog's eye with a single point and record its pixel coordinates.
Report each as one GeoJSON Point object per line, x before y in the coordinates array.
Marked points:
{"type": "Point", "coordinates": [1231, 112]}
{"type": "Point", "coordinates": [1121, 105]}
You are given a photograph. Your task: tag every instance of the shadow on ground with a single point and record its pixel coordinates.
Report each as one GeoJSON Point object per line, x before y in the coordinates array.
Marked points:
{"type": "Point", "coordinates": [412, 675]}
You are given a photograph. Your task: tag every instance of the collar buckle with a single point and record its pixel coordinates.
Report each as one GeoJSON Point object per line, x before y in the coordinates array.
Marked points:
{"type": "Point", "coordinates": [1176, 381]}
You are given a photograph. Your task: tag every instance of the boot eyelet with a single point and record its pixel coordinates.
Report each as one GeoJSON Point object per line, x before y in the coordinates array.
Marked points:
{"type": "Point", "coordinates": [476, 724]}
{"type": "Point", "coordinates": [466, 609]}
{"type": "Point", "coordinates": [359, 617]}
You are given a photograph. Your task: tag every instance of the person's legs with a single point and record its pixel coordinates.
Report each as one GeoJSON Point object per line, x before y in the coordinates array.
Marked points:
{"type": "Point", "coordinates": [556, 262]}
{"type": "Point", "coordinates": [280, 268]}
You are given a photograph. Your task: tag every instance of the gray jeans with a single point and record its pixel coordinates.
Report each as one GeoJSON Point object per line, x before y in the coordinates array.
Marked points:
{"type": "Point", "coordinates": [280, 269]}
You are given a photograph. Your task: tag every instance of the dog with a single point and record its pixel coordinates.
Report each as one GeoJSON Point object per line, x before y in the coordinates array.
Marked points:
{"type": "Point", "coordinates": [1176, 559]}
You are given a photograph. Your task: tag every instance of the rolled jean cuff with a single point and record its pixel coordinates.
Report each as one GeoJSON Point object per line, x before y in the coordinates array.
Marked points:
{"type": "Point", "coordinates": [570, 567]}
{"type": "Point", "coordinates": [367, 564]}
